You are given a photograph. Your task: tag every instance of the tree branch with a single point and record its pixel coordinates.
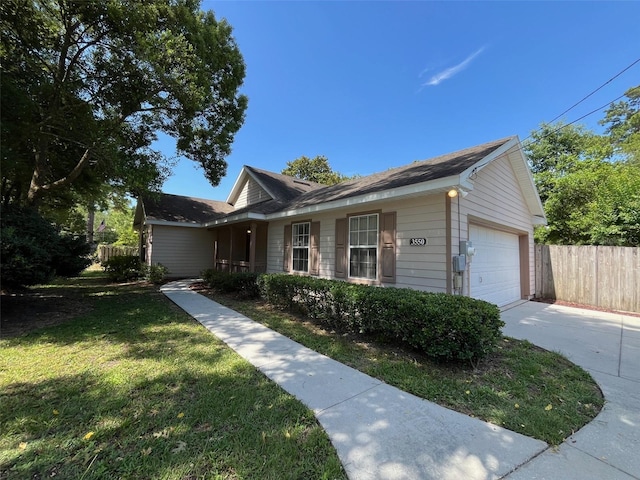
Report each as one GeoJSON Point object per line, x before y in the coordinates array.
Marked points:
{"type": "Point", "coordinates": [35, 190]}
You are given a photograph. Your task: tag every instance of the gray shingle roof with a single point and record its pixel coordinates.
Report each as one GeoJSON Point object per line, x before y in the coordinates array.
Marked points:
{"type": "Point", "coordinates": [283, 187]}
{"type": "Point", "coordinates": [176, 208]}
{"type": "Point", "coordinates": [412, 174]}
{"type": "Point", "coordinates": [292, 193]}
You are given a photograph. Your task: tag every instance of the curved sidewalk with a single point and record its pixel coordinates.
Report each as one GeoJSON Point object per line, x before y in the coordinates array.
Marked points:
{"type": "Point", "coordinates": [607, 345]}
{"type": "Point", "coordinates": [379, 431]}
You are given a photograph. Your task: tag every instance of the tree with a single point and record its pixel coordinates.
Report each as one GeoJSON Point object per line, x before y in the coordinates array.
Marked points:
{"type": "Point", "coordinates": [316, 169]}
{"type": "Point", "coordinates": [590, 196]}
{"type": "Point", "coordinates": [623, 125]}
{"type": "Point", "coordinates": [87, 85]}
{"type": "Point", "coordinates": [557, 149]}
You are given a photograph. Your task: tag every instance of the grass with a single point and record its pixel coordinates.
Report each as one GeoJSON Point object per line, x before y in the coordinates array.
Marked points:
{"type": "Point", "coordinates": [136, 389]}
{"type": "Point", "coordinates": [521, 387]}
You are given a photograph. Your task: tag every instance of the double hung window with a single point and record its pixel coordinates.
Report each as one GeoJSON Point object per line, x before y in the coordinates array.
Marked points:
{"type": "Point", "coordinates": [363, 246]}
{"type": "Point", "coordinates": [300, 242]}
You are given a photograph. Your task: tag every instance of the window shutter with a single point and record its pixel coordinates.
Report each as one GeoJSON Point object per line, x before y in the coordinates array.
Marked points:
{"type": "Point", "coordinates": [314, 249]}
{"type": "Point", "coordinates": [286, 264]}
{"type": "Point", "coordinates": [341, 248]}
{"type": "Point", "coordinates": [388, 261]}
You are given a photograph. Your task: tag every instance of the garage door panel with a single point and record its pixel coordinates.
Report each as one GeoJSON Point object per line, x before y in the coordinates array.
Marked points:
{"type": "Point", "coordinates": [495, 268]}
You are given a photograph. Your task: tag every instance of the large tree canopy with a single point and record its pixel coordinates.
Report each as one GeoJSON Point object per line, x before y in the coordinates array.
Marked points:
{"type": "Point", "coordinates": [316, 169]}
{"type": "Point", "coordinates": [86, 86]}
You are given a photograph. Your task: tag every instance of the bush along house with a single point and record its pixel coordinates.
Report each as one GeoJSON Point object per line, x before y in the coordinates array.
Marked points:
{"type": "Point", "coordinates": [460, 223]}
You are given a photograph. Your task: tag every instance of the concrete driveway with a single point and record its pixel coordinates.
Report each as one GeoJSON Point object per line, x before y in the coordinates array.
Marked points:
{"type": "Point", "coordinates": [607, 345]}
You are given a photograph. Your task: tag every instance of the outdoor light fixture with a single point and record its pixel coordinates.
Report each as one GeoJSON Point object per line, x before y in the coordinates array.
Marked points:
{"type": "Point", "coordinates": [453, 193]}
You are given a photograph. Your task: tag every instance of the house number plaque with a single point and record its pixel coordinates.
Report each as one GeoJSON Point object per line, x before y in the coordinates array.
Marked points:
{"type": "Point", "coordinates": [417, 242]}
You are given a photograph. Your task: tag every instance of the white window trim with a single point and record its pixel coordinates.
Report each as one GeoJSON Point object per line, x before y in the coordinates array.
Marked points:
{"type": "Point", "coordinates": [377, 246]}
{"type": "Point", "coordinates": [295, 247]}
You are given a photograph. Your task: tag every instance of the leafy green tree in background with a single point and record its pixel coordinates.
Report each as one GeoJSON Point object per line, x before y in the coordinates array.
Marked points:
{"type": "Point", "coordinates": [118, 221]}
{"type": "Point", "coordinates": [590, 184]}
{"type": "Point", "coordinates": [86, 87]}
{"type": "Point", "coordinates": [622, 120]}
{"type": "Point", "coordinates": [316, 169]}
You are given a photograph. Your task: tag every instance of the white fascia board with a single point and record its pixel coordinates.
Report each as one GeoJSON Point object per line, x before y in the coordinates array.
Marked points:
{"type": "Point", "coordinates": [538, 220]}
{"type": "Point", "coordinates": [235, 190]}
{"type": "Point", "coordinates": [235, 219]}
{"type": "Point", "coordinates": [173, 224]}
{"type": "Point", "coordinates": [475, 168]}
{"type": "Point", "coordinates": [433, 186]}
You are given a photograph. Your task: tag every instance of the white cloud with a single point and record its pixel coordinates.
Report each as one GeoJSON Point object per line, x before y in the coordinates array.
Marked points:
{"type": "Point", "coordinates": [451, 71]}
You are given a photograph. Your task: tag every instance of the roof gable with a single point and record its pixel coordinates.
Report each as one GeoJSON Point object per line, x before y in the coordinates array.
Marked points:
{"type": "Point", "coordinates": [275, 186]}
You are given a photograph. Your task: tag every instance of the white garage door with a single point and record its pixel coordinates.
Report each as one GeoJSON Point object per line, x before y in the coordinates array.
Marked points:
{"type": "Point", "coordinates": [495, 268]}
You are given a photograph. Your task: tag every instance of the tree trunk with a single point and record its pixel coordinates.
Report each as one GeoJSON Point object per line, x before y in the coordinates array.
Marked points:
{"type": "Point", "coordinates": [90, 222]}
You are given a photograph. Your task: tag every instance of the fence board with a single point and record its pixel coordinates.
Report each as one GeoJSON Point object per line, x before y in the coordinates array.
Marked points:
{"type": "Point", "coordinates": [601, 276]}
{"type": "Point", "coordinates": [105, 252]}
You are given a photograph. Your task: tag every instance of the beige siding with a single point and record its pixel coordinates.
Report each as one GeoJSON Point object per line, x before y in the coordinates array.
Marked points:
{"type": "Point", "coordinates": [496, 201]}
{"type": "Point", "coordinates": [251, 193]}
{"type": "Point", "coordinates": [184, 251]}
{"type": "Point", "coordinates": [422, 267]}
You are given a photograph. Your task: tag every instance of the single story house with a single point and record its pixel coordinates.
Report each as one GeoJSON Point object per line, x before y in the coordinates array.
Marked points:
{"type": "Point", "coordinates": [404, 227]}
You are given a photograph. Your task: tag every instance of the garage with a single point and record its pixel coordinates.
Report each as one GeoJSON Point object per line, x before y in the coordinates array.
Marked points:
{"type": "Point", "coordinates": [495, 268]}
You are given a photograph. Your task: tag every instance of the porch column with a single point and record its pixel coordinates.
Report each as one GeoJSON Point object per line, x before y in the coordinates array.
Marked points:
{"type": "Point", "coordinates": [231, 249]}
{"type": "Point", "coordinates": [252, 247]}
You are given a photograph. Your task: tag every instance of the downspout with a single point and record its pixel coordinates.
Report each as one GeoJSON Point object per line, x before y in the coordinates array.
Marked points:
{"type": "Point", "coordinates": [448, 251]}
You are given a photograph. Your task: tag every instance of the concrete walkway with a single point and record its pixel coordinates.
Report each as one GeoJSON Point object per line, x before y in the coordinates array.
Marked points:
{"type": "Point", "coordinates": [607, 345]}
{"type": "Point", "coordinates": [381, 432]}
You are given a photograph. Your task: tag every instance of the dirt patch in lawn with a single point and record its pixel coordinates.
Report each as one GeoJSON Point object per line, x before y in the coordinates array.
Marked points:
{"type": "Point", "coordinates": [22, 311]}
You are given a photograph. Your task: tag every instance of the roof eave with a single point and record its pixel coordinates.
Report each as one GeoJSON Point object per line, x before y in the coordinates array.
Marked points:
{"type": "Point", "coordinates": [169, 223]}
{"type": "Point", "coordinates": [228, 220]}
{"type": "Point", "coordinates": [429, 187]}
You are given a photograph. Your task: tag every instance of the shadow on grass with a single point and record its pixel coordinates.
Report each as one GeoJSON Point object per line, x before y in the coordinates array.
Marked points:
{"type": "Point", "coordinates": [136, 389]}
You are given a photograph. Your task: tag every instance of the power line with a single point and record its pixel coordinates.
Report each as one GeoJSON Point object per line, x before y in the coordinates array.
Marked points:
{"type": "Point", "coordinates": [520, 145]}
{"type": "Point", "coordinates": [596, 90]}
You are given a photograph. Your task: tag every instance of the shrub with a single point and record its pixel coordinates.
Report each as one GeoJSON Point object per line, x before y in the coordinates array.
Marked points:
{"type": "Point", "coordinates": [33, 251]}
{"type": "Point", "coordinates": [71, 256]}
{"type": "Point", "coordinates": [156, 273]}
{"type": "Point", "coordinates": [243, 283]}
{"type": "Point", "coordinates": [440, 325]}
{"type": "Point", "coordinates": [123, 268]}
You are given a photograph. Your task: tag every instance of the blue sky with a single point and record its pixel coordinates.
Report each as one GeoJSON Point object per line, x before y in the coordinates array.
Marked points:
{"type": "Point", "coordinates": [375, 85]}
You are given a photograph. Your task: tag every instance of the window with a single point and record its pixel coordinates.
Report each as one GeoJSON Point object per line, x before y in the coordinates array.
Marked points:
{"type": "Point", "coordinates": [300, 241]}
{"type": "Point", "coordinates": [363, 246]}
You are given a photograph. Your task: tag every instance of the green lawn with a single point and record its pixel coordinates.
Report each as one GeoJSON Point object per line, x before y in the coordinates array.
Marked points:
{"type": "Point", "coordinates": [137, 389]}
{"type": "Point", "coordinates": [134, 388]}
{"type": "Point", "coordinates": [521, 387]}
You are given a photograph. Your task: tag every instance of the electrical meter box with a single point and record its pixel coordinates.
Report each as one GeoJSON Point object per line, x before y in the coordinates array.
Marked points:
{"type": "Point", "coordinates": [459, 263]}
{"type": "Point", "coordinates": [466, 248]}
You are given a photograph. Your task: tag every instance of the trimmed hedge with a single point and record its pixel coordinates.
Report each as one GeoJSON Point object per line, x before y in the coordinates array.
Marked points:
{"type": "Point", "coordinates": [243, 284]}
{"type": "Point", "coordinates": [443, 326]}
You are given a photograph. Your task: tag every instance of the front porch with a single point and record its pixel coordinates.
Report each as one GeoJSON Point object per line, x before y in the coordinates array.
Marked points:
{"type": "Point", "coordinates": [241, 247]}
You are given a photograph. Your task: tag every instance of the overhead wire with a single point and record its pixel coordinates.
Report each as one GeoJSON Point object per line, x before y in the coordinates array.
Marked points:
{"type": "Point", "coordinates": [519, 146]}
{"type": "Point", "coordinates": [596, 90]}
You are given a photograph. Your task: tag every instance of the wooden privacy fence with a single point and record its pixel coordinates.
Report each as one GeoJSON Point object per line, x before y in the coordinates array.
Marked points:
{"type": "Point", "coordinates": [607, 277]}
{"type": "Point", "coordinates": [105, 252]}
